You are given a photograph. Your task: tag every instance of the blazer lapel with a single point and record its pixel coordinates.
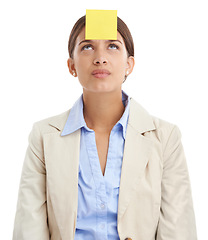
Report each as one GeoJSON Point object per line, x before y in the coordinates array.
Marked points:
{"type": "Point", "coordinates": [137, 150]}
{"type": "Point", "coordinates": [62, 163]}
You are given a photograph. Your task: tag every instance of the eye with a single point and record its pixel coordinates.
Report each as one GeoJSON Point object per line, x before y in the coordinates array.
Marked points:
{"type": "Point", "coordinates": [86, 47]}
{"type": "Point", "coordinates": [114, 46]}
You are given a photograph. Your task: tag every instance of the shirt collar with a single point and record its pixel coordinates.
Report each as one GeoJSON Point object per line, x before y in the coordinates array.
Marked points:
{"type": "Point", "coordinates": [76, 119]}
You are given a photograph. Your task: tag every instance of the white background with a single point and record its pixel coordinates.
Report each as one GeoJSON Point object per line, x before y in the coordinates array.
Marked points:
{"type": "Point", "coordinates": [169, 79]}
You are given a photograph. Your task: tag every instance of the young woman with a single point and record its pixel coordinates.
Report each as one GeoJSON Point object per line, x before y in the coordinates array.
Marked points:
{"type": "Point", "coordinates": [106, 168]}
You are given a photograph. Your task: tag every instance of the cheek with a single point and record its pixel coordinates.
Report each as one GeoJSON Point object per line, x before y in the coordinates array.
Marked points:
{"type": "Point", "coordinates": [121, 58]}
{"type": "Point", "coordinates": [81, 64]}
{"type": "Point", "coordinates": [119, 65]}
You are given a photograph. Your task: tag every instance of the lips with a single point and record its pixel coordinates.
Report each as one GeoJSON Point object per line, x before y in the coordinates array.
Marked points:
{"type": "Point", "coordinates": [100, 73]}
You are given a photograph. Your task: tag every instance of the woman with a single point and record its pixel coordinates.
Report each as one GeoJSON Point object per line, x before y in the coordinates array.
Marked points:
{"type": "Point", "coordinates": [106, 168]}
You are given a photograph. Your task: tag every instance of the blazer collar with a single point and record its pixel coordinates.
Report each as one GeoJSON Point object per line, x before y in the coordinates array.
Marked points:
{"type": "Point", "coordinates": [139, 118]}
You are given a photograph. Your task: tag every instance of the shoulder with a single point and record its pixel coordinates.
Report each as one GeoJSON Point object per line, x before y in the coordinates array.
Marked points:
{"type": "Point", "coordinates": [51, 124]}
{"type": "Point", "coordinates": [147, 124]}
{"type": "Point", "coordinates": [163, 126]}
{"type": "Point", "coordinates": [167, 134]}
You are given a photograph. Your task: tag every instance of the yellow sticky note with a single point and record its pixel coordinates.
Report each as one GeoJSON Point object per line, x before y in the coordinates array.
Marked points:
{"type": "Point", "coordinates": [101, 24]}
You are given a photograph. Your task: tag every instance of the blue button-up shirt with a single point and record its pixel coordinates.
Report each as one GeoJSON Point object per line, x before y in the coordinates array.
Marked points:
{"type": "Point", "coordinates": [97, 194]}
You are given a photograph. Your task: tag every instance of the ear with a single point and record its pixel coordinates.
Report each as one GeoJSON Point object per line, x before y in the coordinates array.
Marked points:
{"type": "Point", "coordinates": [71, 66]}
{"type": "Point", "coordinates": [130, 64]}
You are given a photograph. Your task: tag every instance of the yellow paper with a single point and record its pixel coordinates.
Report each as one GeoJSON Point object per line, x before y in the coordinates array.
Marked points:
{"type": "Point", "coordinates": [101, 24]}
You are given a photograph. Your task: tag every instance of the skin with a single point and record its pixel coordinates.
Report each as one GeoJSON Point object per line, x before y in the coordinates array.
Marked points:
{"type": "Point", "coordinates": [102, 97]}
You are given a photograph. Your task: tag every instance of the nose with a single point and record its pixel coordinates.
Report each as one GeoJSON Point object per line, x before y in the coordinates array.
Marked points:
{"type": "Point", "coordinates": [100, 60]}
{"type": "Point", "coordinates": [100, 54]}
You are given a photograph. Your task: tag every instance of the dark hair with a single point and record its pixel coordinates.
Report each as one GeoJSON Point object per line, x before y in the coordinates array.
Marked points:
{"type": "Point", "coordinates": [121, 27]}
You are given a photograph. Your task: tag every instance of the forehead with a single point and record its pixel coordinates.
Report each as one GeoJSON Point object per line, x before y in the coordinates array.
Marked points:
{"type": "Point", "coordinates": [81, 37]}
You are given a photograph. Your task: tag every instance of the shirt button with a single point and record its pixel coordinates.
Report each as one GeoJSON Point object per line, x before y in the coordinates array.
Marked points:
{"type": "Point", "coordinates": [102, 206]}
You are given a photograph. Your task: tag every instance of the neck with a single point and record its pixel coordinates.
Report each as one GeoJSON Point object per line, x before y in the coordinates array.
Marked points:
{"type": "Point", "coordinates": [102, 110]}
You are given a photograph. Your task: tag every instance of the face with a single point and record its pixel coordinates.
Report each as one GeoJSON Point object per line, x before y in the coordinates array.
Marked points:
{"type": "Point", "coordinates": [100, 65]}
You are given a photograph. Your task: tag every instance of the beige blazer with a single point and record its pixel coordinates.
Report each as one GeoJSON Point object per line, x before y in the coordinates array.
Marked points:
{"type": "Point", "coordinates": [155, 199]}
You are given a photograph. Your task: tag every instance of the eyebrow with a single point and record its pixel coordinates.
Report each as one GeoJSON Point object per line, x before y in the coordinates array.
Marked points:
{"type": "Point", "coordinates": [90, 41]}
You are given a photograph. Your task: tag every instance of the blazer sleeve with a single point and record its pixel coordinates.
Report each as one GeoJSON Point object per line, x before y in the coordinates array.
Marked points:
{"type": "Point", "coordinates": [177, 218]}
{"type": "Point", "coordinates": [31, 212]}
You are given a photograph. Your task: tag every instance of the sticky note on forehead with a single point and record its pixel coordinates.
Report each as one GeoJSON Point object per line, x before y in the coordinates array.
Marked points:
{"type": "Point", "coordinates": [101, 24]}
